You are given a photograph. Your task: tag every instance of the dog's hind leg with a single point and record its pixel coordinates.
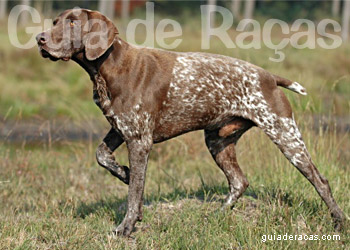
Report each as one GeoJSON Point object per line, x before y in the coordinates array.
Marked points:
{"type": "Point", "coordinates": [285, 134]}
{"type": "Point", "coordinates": [221, 144]}
{"type": "Point", "coordinates": [105, 158]}
{"type": "Point", "coordinates": [280, 126]}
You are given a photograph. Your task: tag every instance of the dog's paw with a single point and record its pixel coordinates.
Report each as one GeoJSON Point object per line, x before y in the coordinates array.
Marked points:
{"type": "Point", "coordinates": [121, 172]}
{"type": "Point", "coordinates": [339, 220]}
{"type": "Point", "coordinates": [140, 217]}
{"type": "Point", "coordinates": [338, 226]}
{"type": "Point", "coordinates": [229, 202]}
{"type": "Point", "coordinates": [123, 230]}
{"type": "Point", "coordinates": [339, 223]}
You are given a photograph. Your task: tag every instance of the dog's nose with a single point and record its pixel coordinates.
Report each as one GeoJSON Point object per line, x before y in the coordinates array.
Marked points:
{"type": "Point", "coordinates": [41, 38]}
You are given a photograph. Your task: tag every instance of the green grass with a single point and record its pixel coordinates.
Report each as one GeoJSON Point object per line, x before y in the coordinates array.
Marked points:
{"type": "Point", "coordinates": [55, 196]}
{"type": "Point", "coordinates": [59, 198]}
{"type": "Point", "coordinates": [53, 90]}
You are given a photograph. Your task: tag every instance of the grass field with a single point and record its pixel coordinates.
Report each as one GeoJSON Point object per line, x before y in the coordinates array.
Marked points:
{"type": "Point", "coordinates": [51, 90]}
{"type": "Point", "coordinates": [59, 198]}
{"type": "Point", "coordinates": [55, 196]}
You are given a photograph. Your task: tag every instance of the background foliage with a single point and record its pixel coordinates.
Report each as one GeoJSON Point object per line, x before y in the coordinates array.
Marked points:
{"type": "Point", "coordinates": [53, 195]}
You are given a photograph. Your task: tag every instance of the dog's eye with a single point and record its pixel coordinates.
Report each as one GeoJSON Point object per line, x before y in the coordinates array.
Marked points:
{"type": "Point", "coordinates": [54, 22]}
{"type": "Point", "coordinates": [72, 23]}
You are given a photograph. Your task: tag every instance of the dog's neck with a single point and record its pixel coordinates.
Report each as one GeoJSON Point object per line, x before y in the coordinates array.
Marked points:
{"type": "Point", "coordinates": [93, 67]}
{"type": "Point", "coordinates": [114, 55]}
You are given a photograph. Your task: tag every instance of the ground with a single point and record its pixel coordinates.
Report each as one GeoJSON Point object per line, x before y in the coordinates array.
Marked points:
{"type": "Point", "coordinates": [55, 196]}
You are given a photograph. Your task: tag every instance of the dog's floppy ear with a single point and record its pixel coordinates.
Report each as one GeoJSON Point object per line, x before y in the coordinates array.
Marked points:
{"type": "Point", "coordinates": [100, 36]}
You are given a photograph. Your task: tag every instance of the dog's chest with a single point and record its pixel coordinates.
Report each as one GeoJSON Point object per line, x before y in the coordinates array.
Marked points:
{"type": "Point", "coordinates": [101, 97]}
{"type": "Point", "coordinates": [96, 98]}
{"type": "Point", "coordinates": [132, 123]}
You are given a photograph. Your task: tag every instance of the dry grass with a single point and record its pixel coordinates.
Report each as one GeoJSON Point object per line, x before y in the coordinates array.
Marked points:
{"type": "Point", "coordinates": [49, 90]}
{"type": "Point", "coordinates": [56, 197]}
{"type": "Point", "coordinates": [59, 198]}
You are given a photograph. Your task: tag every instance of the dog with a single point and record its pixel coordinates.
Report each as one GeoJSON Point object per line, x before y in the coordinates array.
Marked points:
{"type": "Point", "coordinates": [151, 95]}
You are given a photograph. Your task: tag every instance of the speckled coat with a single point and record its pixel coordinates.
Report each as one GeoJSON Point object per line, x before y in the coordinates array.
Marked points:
{"type": "Point", "coordinates": [151, 95]}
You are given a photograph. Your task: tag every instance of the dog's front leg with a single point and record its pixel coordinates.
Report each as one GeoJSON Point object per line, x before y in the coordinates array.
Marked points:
{"type": "Point", "coordinates": [105, 158]}
{"type": "Point", "coordinates": [138, 156]}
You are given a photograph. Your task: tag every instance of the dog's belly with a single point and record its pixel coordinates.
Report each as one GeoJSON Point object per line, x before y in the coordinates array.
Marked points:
{"type": "Point", "coordinates": [200, 113]}
{"type": "Point", "coordinates": [205, 92]}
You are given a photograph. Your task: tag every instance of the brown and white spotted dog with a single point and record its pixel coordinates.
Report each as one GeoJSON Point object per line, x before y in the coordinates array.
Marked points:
{"type": "Point", "coordinates": [150, 95]}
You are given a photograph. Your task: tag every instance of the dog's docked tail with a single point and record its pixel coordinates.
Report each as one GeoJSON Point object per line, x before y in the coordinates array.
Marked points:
{"type": "Point", "coordinates": [293, 86]}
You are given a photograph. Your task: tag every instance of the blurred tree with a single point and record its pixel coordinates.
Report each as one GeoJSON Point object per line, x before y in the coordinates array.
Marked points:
{"type": "Point", "coordinates": [249, 9]}
{"type": "Point", "coordinates": [345, 21]}
{"type": "Point", "coordinates": [125, 9]}
{"type": "Point", "coordinates": [289, 10]}
{"type": "Point", "coordinates": [107, 7]}
{"type": "Point", "coordinates": [102, 6]}
{"type": "Point", "coordinates": [236, 9]}
{"type": "Point", "coordinates": [48, 7]}
{"type": "Point", "coordinates": [209, 17]}
{"type": "Point", "coordinates": [111, 9]}
{"type": "Point", "coordinates": [24, 15]}
{"type": "Point", "coordinates": [179, 7]}
{"type": "Point", "coordinates": [211, 12]}
{"type": "Point", "coordinates": [44, 7]}
{"type": "Point", "coordinates": [335, 7]}
{"type": "Point", "coordinates": [59, 6]}
{"type": "Point", "coordinates": [39, 5]}
{"type": "Point", "coordinates": [3, 9]}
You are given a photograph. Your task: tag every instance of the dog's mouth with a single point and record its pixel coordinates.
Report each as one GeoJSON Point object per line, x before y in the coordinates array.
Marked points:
{"type": "Point", "coordinates": [44, 53]}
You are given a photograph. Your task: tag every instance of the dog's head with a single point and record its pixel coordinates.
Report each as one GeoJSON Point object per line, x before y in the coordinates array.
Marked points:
{"type": "Point", "coordinates": [75, 31]}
